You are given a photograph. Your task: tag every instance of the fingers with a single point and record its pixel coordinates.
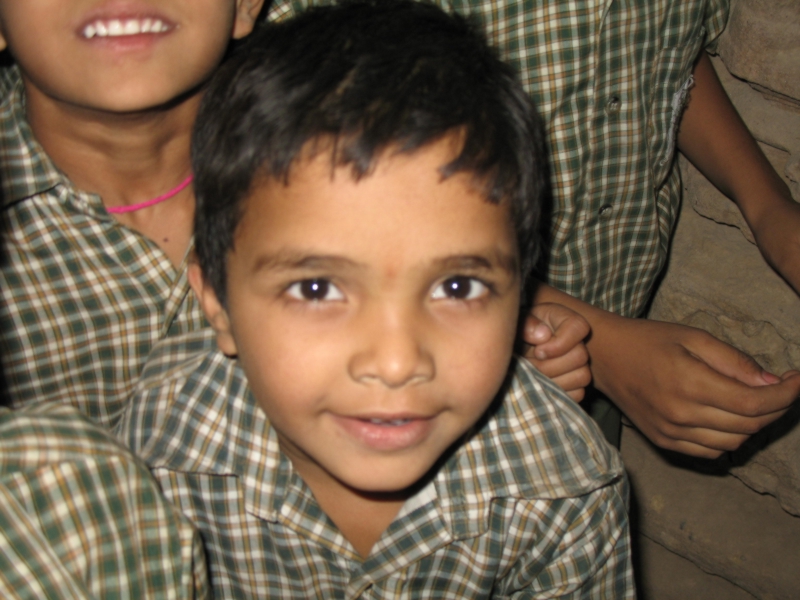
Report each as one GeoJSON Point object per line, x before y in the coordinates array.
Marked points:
{"type": "Point", "coordinates": [556, 336]}
{"type": "Point", "coordinates": [688, 391]}
{"type": "Point", "coordinates": [570, 372]}
{"type": "Point", "coordinates": [715, 387]}
{"type": "Point", "coordinates": [709, 413]}
{"type": "Point", "coordinates": [574, 363]}
{"type": "Point", "coordinates": [725, 432]}
{"type": "Point", "coordinates": [575, 382]}
{"type": "Point", "coordinates": [727, 360]}
{"type": "Point", "coordinates": [693, 449]}
{"type": "Point", "coordinates": [568, 330]}
{"type": "Point", "coordinates": [536, 332]}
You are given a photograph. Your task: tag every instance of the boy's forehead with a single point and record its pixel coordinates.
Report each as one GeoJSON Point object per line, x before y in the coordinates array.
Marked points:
{"type": "Point", "coordinates": [404, 194]}
{"type": "Point", "coordinates": [325, 157]}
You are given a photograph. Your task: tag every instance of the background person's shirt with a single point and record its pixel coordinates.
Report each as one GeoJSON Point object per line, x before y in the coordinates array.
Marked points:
{"type": "Point", "coordinates": [80, 517]}
{"type": "Point", "coordinates": [82, 297]}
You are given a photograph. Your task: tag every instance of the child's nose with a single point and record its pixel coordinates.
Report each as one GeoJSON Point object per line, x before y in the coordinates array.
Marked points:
{"type": "Point", "coordinates": [392, 350]}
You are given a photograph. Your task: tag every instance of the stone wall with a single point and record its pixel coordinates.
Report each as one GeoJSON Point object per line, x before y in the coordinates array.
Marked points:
{"type": "Point", "coordinates": [733, 526]}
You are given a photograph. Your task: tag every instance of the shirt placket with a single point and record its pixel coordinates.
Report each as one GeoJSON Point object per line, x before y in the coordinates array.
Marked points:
{"type": "Point", "coordinates": [612, 163]}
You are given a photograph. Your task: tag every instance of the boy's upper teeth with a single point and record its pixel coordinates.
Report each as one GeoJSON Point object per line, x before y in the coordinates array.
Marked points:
{"type": "Point", "coordinates": [120, 27]}
{"type": "Point", "coordinates": [394, 422]}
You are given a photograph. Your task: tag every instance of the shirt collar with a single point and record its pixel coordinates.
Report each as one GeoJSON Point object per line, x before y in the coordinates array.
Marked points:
{"type": "Point", "coordinates": [213, 426]}
{"type": "Point", "coordinates": [528, 446]}
{"type": "Point", "coordinates": [534, 443]}
{"type": "Point", "coordinates": [25, 168]}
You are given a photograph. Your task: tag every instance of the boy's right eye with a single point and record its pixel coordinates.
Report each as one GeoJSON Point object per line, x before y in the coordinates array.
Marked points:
{"type": "Point", "coordinates": [314, 290]}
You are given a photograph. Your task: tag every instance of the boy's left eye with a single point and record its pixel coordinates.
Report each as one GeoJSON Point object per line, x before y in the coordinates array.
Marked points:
{"type": "Point", "coordinates": [460, 287]}
{"type": "Point", "coordinates": [314, 290]}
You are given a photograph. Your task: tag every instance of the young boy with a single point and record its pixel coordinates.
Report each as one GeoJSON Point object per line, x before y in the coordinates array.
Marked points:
{"type": "Point", "coordinates": [621, 86]}
{"type": "Point", "coordinates": [95, 122]}
{"type": "Point", "coordinates": [369, 180]}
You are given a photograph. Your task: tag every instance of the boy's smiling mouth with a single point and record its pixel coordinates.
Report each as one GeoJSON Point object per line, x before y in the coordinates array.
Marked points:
{"type": "Point", "coordinates": [389, 433]}
{"type": "Point", "coordinates": [102, 28]}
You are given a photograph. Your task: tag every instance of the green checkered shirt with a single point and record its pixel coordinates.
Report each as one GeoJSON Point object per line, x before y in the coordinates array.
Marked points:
{"type": "Point", "coordinates": [80, 517]}
{"type": "Point", "coordinates": [533, 505]}
{"type": "Point", "coordinates": [83, 297]}
{"type": "Point", "coordinates": [609, 79]}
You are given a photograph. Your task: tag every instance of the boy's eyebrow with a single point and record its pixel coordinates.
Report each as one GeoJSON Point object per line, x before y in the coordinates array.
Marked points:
{"type": "Point", "coordinates": [479, 262]}
{"type": "Point", "coordinates": [290, 260]}
{"type": "Point", "coordinates": [286, 260]}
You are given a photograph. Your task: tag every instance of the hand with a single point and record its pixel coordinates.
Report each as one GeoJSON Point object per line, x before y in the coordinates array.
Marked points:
{"type": "Point", "coordinates": [683, 388]}
{"type": "Point", "coordinates": [555, 335]}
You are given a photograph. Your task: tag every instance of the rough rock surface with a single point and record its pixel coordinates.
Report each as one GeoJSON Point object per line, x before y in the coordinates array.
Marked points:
{"type": "Point", "coordinates": [676, 578]}
{"type": "Point", "coordinates": [714, 521]}
{"type": "Point", "coordinates": [717, 280]}
{"type": "Point", "coordinates": [762, 44]}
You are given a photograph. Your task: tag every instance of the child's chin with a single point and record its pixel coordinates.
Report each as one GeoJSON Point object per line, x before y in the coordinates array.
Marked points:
{"type": "Point", "coordinates": [388, 485]}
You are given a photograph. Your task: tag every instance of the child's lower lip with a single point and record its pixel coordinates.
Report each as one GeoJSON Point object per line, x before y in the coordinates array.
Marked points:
{"type": "Point", "coordinates": [127, 43]}
{"type": "Point", "coordinates": [386, 435]}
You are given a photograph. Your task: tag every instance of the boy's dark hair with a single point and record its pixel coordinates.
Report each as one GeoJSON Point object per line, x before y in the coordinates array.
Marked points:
{"type": "Point", "coordinates": [366, 76]}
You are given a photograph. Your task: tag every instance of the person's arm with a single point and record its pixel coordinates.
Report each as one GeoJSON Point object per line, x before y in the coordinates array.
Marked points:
{"type": "Point", "coordinates": [683, 388]}
{"type": "Point", "coordinates": [716, 141]}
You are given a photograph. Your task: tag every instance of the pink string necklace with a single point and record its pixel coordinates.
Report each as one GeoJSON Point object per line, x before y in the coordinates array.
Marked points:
{"type": "Point", "coordinates": [158, 199]}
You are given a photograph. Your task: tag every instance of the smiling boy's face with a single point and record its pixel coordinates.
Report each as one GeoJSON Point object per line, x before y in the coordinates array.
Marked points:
{"type": "Point", "coordinates": [120, 55]}
{"type": "Point", "coordinates": [374, 319]}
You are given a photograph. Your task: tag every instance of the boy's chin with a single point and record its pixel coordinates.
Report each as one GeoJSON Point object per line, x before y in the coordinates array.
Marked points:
{"type": "Point", "coordinates": [391, 486]}
{"type": "Point", "coordinates": [135, 101]}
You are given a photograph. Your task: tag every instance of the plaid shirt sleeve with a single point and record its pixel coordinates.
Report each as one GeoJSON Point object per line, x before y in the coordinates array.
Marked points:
{"type": "Point", "coordinates": [80, 517]}
{"type": "Point", "coordinates": [568, 532]}
{"type": "Point", "coordinates": [585, 548]}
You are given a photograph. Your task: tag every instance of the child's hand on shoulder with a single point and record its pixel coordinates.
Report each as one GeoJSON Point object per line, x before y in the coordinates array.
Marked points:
{"type": "Point", "coordinates": [554, 336]}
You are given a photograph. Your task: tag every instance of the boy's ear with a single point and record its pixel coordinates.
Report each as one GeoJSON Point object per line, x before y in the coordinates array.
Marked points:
{"type": "Point", "coordinates": [246, 15]}
{"type": "Point", "coordinates": [213, 310]}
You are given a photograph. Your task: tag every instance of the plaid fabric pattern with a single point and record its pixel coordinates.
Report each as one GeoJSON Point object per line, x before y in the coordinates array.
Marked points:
{"type": "Point", "coordinates": [609, 79]}
{"type": "Point", "coordinates": [80, 517]}
{"type": "Point", "coordinates": [532, 505]}
{"type": "Point", "coordinates": [83, 297]}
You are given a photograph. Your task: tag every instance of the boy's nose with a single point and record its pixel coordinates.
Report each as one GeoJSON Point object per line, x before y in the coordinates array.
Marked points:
{"type": "Point", "coordinates": [391, 351]}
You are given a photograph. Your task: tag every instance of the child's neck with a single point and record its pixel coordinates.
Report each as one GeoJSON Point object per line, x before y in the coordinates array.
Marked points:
{"type": "Point", "coordinates": [126, 160]}
{"type": "Point", "coordinates": [362, 519]}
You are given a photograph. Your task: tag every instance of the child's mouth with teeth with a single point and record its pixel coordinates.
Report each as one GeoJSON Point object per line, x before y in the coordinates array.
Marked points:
{"type": "Point", "coordinates": [123, 27]}
{"type": "Point", "coordinates": [390, 423]}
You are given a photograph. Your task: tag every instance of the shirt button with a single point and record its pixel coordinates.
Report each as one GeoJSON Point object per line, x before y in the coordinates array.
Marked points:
{"type": "Point", "coordinates": [613, 105]}
{"type": "Point", "coordinates": [605, 210]}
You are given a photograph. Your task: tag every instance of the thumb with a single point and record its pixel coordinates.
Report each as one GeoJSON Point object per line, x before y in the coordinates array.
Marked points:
{"type": "Point", "coordinates": [732, 363]}
{"type": "Point", "coordinates": [536, 331]}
